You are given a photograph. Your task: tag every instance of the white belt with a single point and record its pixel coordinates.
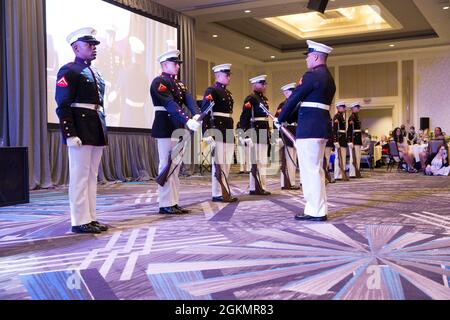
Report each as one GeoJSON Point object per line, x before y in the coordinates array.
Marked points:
{"type": "Point", "coordinates": [316, 105]}
{"type": "Point", "coordinates": [261, 119]}
{"type": "Point", "coordinates": [131, 103]}
{"type": "Point", "coordinates": [356, 130]}
{"type": "Point", "coordinates": [159, 108]}
{"type": "Point", "coordinates": [86, 106]}
{"type": "Point", "coordinates": [342, 131]}
{"type": "Point", "coordinates": [221, 114]}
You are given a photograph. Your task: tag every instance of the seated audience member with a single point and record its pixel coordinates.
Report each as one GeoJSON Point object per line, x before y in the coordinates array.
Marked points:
{"type": "Point", "coordinates": [403, 149]}
{"type": "Point", "coordinates": [384, 143]}
{"type": "Point", "coordinates": [412, 136]}
{"type": "Point", "coordinates": [437, 163]}
{"type": "Point", "coordinates": [403, 130]}
{"type": "Point", "coordinates": [422, 137]}
{"type": "Point", "coordinates": [365, 143]}
{"type": "Point", "coordinates": [438, 134]}
{"type": "Point", "coordinates": [425, 154]}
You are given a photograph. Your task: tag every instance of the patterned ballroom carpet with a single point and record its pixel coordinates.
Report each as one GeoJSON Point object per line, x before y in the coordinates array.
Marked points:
{"type": "Point", "coordinates": [387, 238]}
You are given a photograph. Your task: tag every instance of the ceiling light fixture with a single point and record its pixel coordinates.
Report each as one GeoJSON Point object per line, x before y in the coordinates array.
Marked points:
{"type": "Point", "coordinates": [445, 8]}
{"type": "Point", "coordinates": [248, 11]}
{"type": "Point", "coordinates": [247, 48]}
{"type": "Point", "coordinates": [392, 45]}
{"type": "Point", "coordinates": [214, 35]}
{"type": "Point", "coordinates": [272, 57]}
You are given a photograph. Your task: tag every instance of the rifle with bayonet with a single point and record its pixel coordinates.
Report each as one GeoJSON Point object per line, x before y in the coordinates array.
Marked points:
{"type": "Point", "coordinates": [341, 163]}
{"type": "Point", "coordinates": [325, 168]}
{"type": "Point", "coordinates": [285, 130]}
{"type": "Point", "coordinates": [283, 168]}
{"type": "Point", "coordinates": [165, 174]}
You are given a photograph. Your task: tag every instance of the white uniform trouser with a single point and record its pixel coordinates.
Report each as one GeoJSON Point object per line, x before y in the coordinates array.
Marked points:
{"type": "Point", "coordinates": [84, 162]}
{"type": "Point", "coordinates": [310, 156]}
{"type": "Point", "coordinates": [224, 157]}
{"type": "Point", "coordinates": [261, 161]}
{"type": "Point", "coordinates": [290, 153]}
{"type": "Point", "coordinates": [342, 154]}
{"type": "Point", "coordinates": [244, 157]}
{"type": "Point", "coordinates": [168, 195]}
{"type": "Point", "coordinates": [352, 172]}
{"type": "Point", "coordinates": [328, 151]}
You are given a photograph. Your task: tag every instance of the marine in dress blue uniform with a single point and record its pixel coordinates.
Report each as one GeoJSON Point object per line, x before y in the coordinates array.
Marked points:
{"type": "Point", "coordinates": [286, 144]}
{"type": "Point", "coordinates": [354, 137]}
{"type": "Point", "coordinates": [80, 89]}
{"type": "Point", "coordinates": [340, 139]}
{"type": "Point", "coordinates": [218, 128]}
{"type": "Point", "coordinates": [169, 95]}
{"type": "Point", "coordinates": [315, 92]}
{"type": "Point", "coordinates": [255, 124]}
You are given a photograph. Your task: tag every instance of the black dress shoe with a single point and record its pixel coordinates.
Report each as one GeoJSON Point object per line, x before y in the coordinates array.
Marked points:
{"type": "Point", "coordinates": [309, 218]}
{"type": "Point", "coordinates": [241, 172]}
{"type": "Point", "coordinates": [169, 210]}
{"type": "Point", "coordinates": [221, 199]}
{"type": "Point", "coordinates": [290, 188]}
{"type": "Point", "coordinates": [182, 210]}
{"type": "Point", "coordinates": [85, 228]}
{"type": "Point", "coordinates": [262, 193]}
{"type": "Point", "coordinates": [101, 226]}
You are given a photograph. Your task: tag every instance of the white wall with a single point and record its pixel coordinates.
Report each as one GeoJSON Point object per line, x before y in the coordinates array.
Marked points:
{"type": "Point", "coordinates": [377, 121]}
{"type": "Point", "coordinates": [433, 94]}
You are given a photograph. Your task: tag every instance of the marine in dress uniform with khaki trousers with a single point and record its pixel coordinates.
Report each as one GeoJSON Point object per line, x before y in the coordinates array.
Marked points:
{"type": "Point", "coordinates": [340, 141]}
{"type": "Point", "coordinates": [219, 128]}
{"type": "Point", "coordinates": [168, 96]}
{"type": "Point", "coordinates": [79, 94]}
{"type": "Point", "coordinates": [290, 154]}
{"type": "Point", "coordinates": [256, 125]}
{"type": "Point", "coordinates": [354, 138]}
{"type": "Point", "coordinates": [315, 92]}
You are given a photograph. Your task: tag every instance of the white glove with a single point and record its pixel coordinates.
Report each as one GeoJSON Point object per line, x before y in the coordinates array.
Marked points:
{"type": "Point", "coordinates": [196, 117]}
{"type": "Point", "coordinates": [337, 145]}
{"type": "Point", "coordinates": [193, 125]}
{"type": "Point", "coordinates": [210, 141]}
{"type": "Point", "coordinates": [350, 144]}
{"type": "Point", "coordinates": [249, 142]}
{"type": "Point", "coordinates": [276, 123]}
{"type": "Point", "coordinates": [74, 142]}
{"type": "Point", "coordinates": [280, 142]}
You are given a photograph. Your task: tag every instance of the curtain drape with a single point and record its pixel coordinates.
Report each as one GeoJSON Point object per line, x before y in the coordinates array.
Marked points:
{"type": "Point", "coordinates": [3, 97]}
{"type": "Point", "coordinates": [25, 77]}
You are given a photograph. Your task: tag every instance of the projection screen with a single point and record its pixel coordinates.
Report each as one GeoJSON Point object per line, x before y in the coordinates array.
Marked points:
{"type": "Point", "coordinates": [130, 45]}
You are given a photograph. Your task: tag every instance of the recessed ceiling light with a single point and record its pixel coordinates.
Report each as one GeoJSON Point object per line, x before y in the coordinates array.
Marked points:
{"type": "Point", "coordinates": [248, 11]}
{"type": "Point", "coordinates": [392, 45]}
{"type": "Point", "coordinates": [247, 48]}
{"type": "Point", "coordinates": [445, 8]}
{"type": "Point", "coordinates": [272, 57]}
{"type": "Point", "coordinates": [214, 35]}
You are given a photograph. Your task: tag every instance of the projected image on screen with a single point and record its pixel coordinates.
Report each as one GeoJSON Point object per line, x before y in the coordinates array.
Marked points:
{"type": "Point", "coordinates": [126, 56]}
